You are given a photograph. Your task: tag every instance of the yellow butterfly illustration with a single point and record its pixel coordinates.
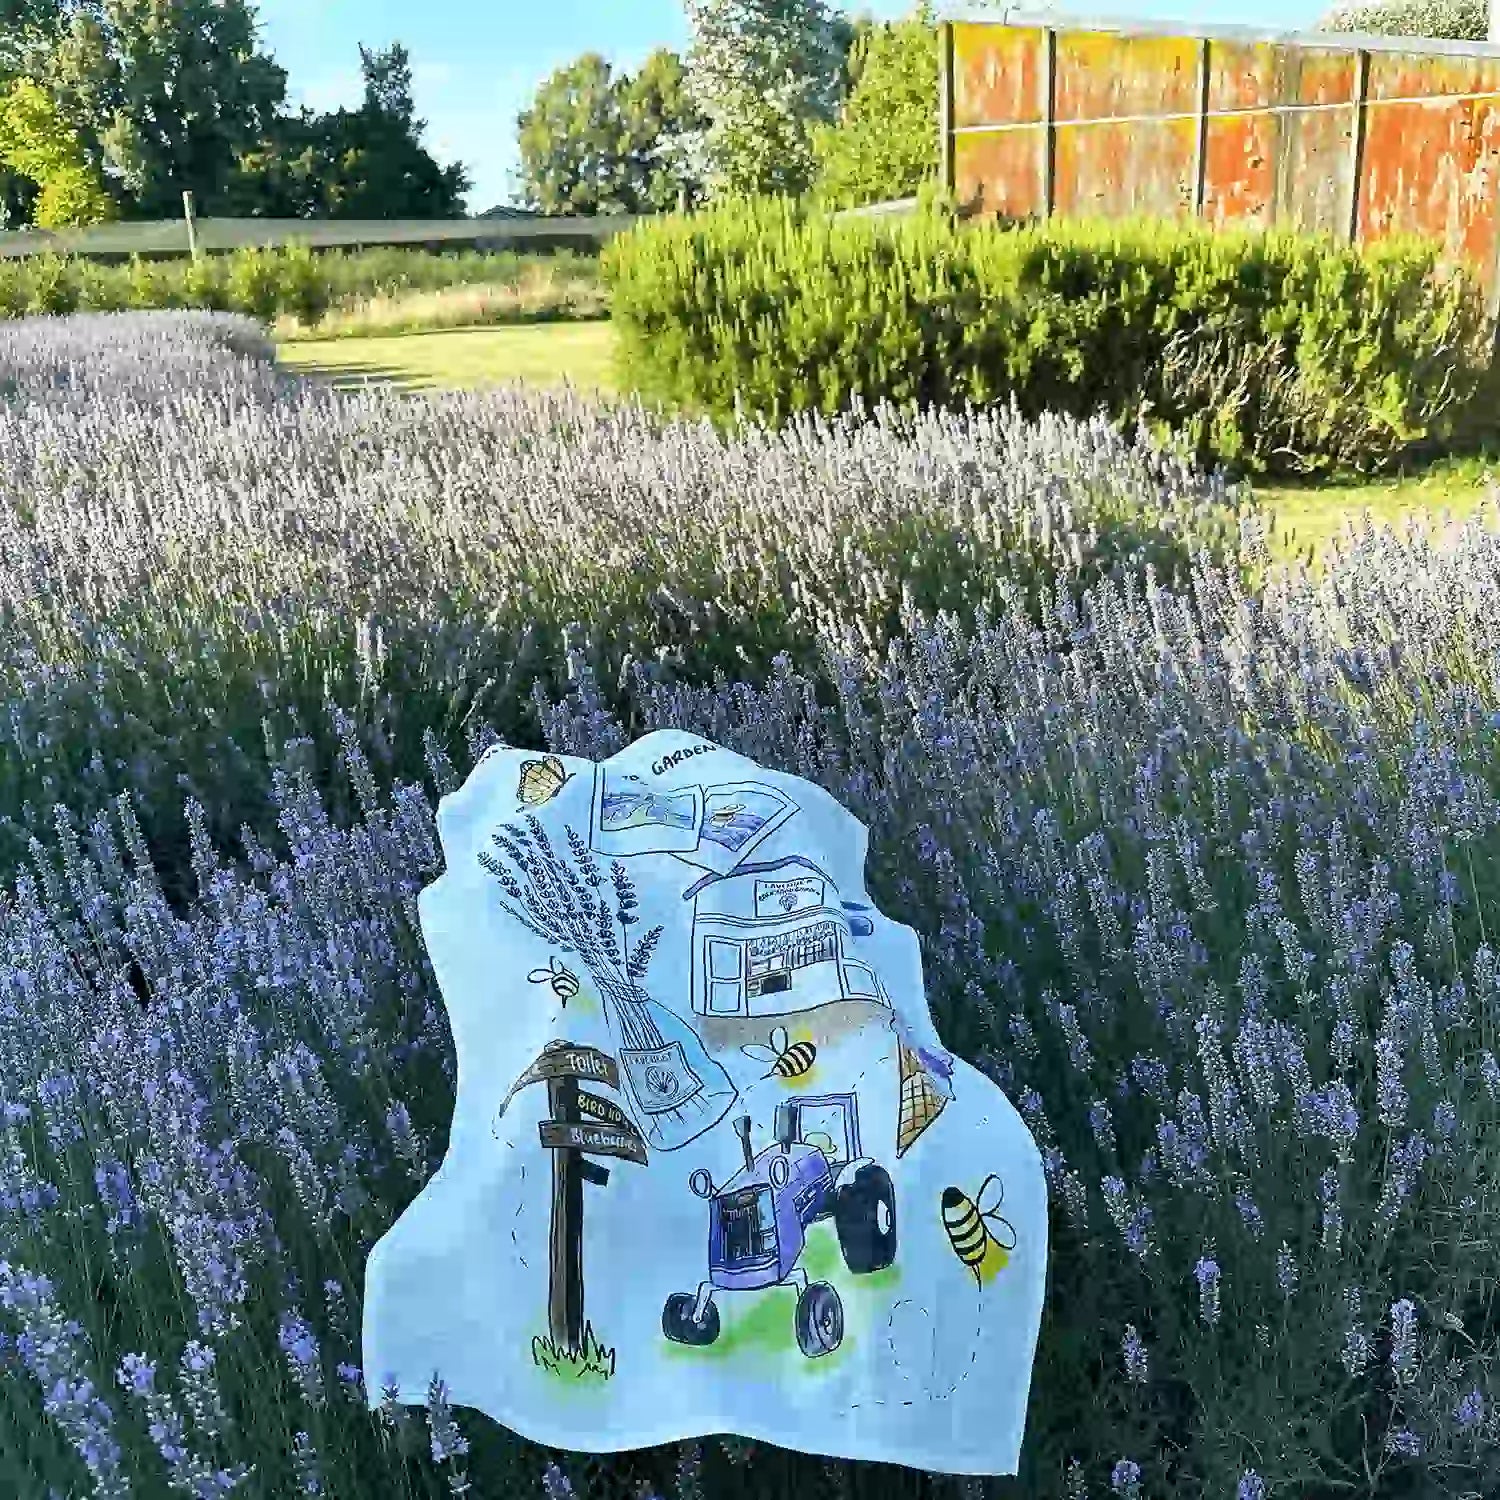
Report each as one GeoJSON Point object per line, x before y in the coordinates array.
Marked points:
{"type": "Point", "coordinates": [541, 780]}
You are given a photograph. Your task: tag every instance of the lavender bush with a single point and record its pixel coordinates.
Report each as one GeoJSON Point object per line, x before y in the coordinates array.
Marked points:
{"type": "Point", "coordinates": [197, 545]}
{"type": "Point", "coordinates": [1203, 875]}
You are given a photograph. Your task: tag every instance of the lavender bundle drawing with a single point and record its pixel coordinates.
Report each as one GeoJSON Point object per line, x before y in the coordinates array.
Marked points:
{"type": "Point", "coordinates": [571, 905]}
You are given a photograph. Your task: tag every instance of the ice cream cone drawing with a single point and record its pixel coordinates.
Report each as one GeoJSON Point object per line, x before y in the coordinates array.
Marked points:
{"type": "Point", "coordinates": [921, 1100]}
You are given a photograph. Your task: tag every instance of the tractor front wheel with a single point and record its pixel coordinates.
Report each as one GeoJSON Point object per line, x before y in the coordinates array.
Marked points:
{"type": "Point", "coordinates": [820, 1319]}
{"type": "Point", "coordinates": [865, 1215]}
{"type": "Point", "coordinates": [678, 1324]}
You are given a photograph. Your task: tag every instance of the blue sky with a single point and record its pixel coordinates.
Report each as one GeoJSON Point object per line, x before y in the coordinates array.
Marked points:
{"type": "Point", "coordinates": [476, 63]}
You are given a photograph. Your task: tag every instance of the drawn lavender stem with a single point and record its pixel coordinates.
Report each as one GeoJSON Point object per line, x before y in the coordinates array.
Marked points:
{"type": "Point", "coordinates": [561, 902]}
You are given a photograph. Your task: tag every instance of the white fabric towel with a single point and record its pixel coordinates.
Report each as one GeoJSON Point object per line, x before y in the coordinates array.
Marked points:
{"type": "Point", "coordinates": [711, 1168]}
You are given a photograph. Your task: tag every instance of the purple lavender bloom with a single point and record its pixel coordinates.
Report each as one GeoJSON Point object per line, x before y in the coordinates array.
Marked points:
{"type": "Point", "coordinates": [1133, 1352]}
{"type": "Point", "coordinates": [1489, 1073]}
{"type": "Point", "coordinates": [1102, 1126]}
{"type": "Point", "coordinates": [300, 1346]}
{"type": "Point", "coordinates": [1404, 1443]}
{"type": "Point", "coordinates": [1287, 1274]}
{"type": "Point", "coordinates": [53, 1352]}
{"type": "Point", "coordinates": [112, 1183]}
{"type": "Point", "coordinates": [555, 1484]}
{"type": "Point", "coordinates": [1469, 1413]}
{"type": "Point", "coordinates": [1404, 1339]}
{"type": "Point", "coordinates": [1331, 1112]}
{"type": "Point", "coordinates": [448, 1444]}
{"type": "Point", "coordinates": [1207, 1275]}
{"type": "Point", "coordinates": [1125, 1479]}
{"type": "Point", "coordinates": [1250, 1487]}
{"type": "Point", "coordinates": [1250, 1214]}
{"type": "Point", "coordinates": [137, 1374]}
{"type": "Point", "coordinates": [305, 1461]}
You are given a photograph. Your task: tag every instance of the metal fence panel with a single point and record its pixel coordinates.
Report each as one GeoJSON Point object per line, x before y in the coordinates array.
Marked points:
{"type": "Point", "coordinates": [1354, 136]}
{"type": "Point", "coordinates": [169, 236]}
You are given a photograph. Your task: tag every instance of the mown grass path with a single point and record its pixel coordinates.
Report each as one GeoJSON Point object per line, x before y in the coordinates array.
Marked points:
{"type": "Point", "coordinates": [1306, 517]}
{"type": "Point", "coordinates": [465, 358]}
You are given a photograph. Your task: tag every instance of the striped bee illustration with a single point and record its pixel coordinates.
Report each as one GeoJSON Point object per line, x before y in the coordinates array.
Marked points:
{"type": "Point", "coordinates": [563, 980]}
{"type": "Point", "coordinates": [981, 1238]}
{"type": "Point", "coordinates": [541, 780]}
{"type": "Point", "coordinates": [788, 1059]}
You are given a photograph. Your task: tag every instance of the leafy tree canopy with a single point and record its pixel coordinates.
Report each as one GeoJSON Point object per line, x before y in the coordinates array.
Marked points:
{"type": "Point", "coordinates": [1451, 20]}
{"type": "Point", "coordinates": [365, 163]}
{"type": "Point", "coordinates": [597, 141]}
{"type": "Point", "coordinates": [885, 144]}
{"type": "Point", "coordinates": [41, 148]}
{"type": "Point", "coordinates": [764, 74]}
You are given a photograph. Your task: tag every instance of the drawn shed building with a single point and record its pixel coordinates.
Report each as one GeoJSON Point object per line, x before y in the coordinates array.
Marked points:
{"type": "Point", "coordinates": [772, 939]}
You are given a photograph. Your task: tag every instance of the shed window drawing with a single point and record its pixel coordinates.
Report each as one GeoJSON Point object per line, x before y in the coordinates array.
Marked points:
{"type": "Point", "coordinates": [774, 938]}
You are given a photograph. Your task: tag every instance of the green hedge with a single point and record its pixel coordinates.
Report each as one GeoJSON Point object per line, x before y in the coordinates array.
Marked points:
{"type": "Point", "coordinates": [1266, 351]}
{"type": "Point", "coordinates": [263, 284]}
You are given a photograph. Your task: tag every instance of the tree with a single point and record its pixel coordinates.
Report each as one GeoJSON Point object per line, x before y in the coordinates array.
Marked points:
{"type": "Point", "coordinates": [764, 74]}
{"type": "Point", "coordinates": [1451, 20]}
{"type": "Point", "coordinates": [28, 31]}
{"type": "Point", "coordinates": [885, 144]}
{"type": "Point", "coordinates": [366, 163]}
{"type": "Point", "coordinates": [166, 95]}
{"type": "Point", "coordinates": [594, 141]}
{"type": "Point", "coordinates": [572, 141]}
{"type": "Point", "coordinates": [659, 116]}
{"type": "Point", "coordinates": [36, 144]}
{"type": "Point", "coordinates": [849, 34]}
{"type": "Point", "coordinates": [387, 78]}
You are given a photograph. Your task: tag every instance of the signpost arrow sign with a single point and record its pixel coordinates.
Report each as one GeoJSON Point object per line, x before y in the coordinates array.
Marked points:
{"type": "Point", "coordinates": [579, 1122]}
{"type": "Point", "coordinates": [600, 1140]}
{"type": "Point", "coordinates": [592, 1107]}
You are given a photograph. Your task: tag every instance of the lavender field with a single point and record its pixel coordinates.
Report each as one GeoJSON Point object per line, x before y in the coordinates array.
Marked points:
{"type": "Point", "coordinates": [1201, 851]}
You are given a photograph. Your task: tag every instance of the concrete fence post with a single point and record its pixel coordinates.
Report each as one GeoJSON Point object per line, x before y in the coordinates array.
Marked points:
{"type": "Point", "coordinates": [1049, 122]}
{"type": "Point", "coordinates": [945, 107]}
{"type": "Point", "coordinates": [1357, 140]}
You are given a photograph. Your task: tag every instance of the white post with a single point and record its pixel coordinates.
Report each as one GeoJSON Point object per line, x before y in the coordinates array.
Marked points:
{"type": "Point", "coordinates": [192, 230]}
{"type": "Point", "coordinates": [1495, 20]}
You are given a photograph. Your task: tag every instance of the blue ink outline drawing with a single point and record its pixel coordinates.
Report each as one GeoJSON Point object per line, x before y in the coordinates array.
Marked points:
{"type": "Point", "coordinates": [710, 827]}
{"type": "Point", "coordinates": [739, 960]}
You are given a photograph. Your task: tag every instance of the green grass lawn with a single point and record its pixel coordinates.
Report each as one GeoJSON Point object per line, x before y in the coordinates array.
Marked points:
{"type": "Point", "coordinates": [1306, 517]}
{"type": "Point", "coordinates": [466, 358]}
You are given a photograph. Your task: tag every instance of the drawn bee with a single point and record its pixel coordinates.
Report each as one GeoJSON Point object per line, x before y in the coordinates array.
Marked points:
{"type": "Point", "coordinates": [541, 780]}
{"type": "Point", "coordinates": [722, 817]}
{"type": "Point", "coordinates": [563, 980]}
{"type": "Point", "coordinates": [980, 1237]}
{"type": "Point", "coordinates": [788, 1059]}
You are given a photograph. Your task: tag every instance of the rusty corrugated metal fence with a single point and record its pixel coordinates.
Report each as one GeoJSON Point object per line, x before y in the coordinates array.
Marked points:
{"type": "Point", "coordinates": [1354, 136]}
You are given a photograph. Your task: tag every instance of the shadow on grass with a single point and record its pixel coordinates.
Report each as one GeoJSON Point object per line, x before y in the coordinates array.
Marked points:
{"type": "Point", "coordinates": [359, 377]}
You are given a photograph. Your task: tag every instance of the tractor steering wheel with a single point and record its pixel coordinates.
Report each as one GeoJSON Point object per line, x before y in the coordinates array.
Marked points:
{"type": "Point", "coordinates": [822, 1141]}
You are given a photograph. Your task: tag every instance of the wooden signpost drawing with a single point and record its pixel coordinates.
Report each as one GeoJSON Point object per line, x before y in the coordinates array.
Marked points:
{"type": "Point", "coordinates": [577, 1122]}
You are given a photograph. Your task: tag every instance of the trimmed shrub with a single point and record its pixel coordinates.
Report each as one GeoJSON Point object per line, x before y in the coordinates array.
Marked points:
{"type": "Point", "coordinates": [1262, 350]}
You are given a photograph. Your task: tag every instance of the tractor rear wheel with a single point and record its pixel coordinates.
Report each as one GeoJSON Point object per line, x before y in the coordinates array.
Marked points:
{"type": "Point", "coordinates": [865, 1215]}
{"type": "Point", "coordinates": [820, 1319]}
{"type": "Point", "coordinates": [677, 1320]}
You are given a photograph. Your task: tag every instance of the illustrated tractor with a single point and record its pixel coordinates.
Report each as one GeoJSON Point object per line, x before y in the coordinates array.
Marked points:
{"type": "Point", "coordinates": [758, 1221]}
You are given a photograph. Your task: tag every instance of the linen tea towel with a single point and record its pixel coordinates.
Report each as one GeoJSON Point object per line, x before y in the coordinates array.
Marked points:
{"type": "Point", "coordinates": [711, 1169]}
